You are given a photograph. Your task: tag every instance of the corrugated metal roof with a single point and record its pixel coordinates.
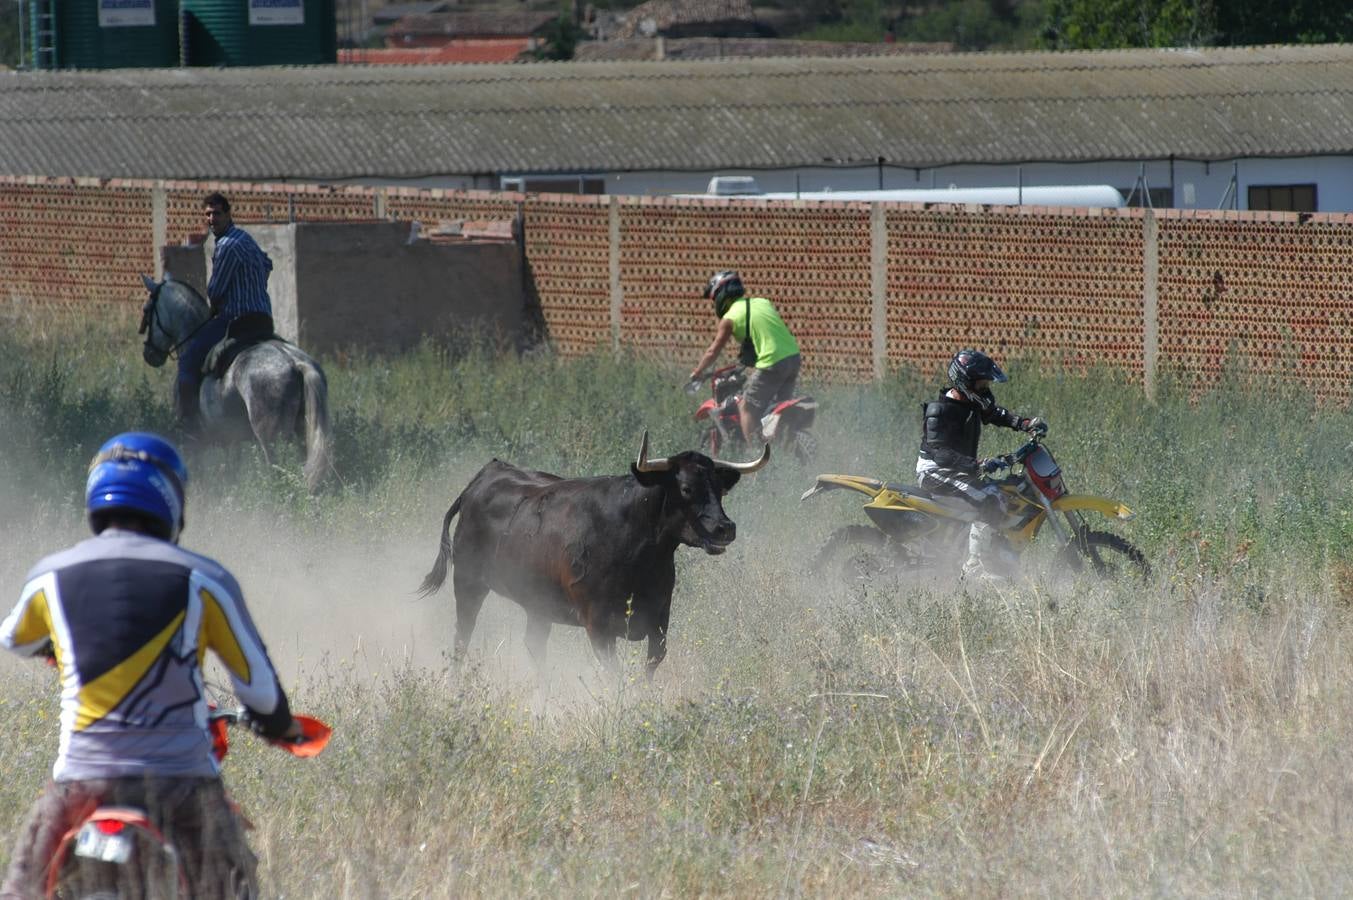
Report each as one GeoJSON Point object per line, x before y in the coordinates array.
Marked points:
{"type": "Point", "coordinates": [333, 122]}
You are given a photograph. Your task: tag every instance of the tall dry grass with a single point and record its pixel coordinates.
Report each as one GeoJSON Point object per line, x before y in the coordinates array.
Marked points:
{"type": "Point", "coordinates": [1050, 736]}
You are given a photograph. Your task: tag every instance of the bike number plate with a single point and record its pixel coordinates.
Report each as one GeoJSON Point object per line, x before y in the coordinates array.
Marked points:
{"type": "Point", "coordinates": [91, 843]}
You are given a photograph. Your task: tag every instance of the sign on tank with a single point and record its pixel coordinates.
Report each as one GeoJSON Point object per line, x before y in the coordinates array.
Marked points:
{"type": "Point", "coordinates": [126, 13]}
{"type": "Point", "coordinates": [276, 12]}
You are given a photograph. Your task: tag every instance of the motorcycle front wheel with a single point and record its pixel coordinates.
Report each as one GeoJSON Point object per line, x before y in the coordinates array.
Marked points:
{"type": "Point", "coordinates": [1108, 555]}
{"type": "Point", "coordinates": [709, 443]}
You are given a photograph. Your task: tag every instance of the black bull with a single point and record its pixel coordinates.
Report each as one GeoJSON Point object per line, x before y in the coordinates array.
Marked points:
{"type": "Point", "coordinates": [595, 552]}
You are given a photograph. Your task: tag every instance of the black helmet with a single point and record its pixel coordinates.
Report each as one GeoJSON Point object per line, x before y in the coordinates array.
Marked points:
{"type": "Point", "coordinates": [971, 366]}
{"type": "Point", "coordinates": [723, 289]}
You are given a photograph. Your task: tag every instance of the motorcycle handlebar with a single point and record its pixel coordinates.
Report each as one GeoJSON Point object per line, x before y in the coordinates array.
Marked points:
{"type": "Point", "coordinates": [312, 739]}
{"type": "Point", "coordinates": [691, 386]}
{"type": "Point", "coordinates": [1019, 454]}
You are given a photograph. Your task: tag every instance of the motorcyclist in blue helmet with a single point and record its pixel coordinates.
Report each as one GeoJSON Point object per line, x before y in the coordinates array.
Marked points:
{"type": "Point", "coordinates": [951, 428]}
{"type": "Point", "coordinates": [137, 476]}
{"type": "Point", "coordinates": [127, 616]}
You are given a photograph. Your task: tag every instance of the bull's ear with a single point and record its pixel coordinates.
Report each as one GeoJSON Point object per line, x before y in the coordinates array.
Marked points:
{"type": "Point", "coordinates": [647, 479]}
{"type": "Point", "coordinates": [727, 478]}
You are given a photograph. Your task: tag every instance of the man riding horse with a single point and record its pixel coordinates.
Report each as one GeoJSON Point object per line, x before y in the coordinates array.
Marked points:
{"type": "Point", "coordinates": [240, 306]}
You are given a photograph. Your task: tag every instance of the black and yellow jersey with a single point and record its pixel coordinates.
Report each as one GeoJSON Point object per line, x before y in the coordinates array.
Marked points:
{"type": "Point", "coordinates": [131, 618]}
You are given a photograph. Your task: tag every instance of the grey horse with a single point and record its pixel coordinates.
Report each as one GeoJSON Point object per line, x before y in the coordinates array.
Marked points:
{"type": "Point", "coordinates": [273, 390]}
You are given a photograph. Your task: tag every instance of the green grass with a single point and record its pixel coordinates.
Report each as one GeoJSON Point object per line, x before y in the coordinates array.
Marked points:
{"type": "Point", "coordinates": [1050, 737]}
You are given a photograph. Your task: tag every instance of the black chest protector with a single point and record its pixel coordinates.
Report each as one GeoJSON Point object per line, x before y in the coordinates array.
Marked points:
{"type": "Point", "coordinates": [951, 429]}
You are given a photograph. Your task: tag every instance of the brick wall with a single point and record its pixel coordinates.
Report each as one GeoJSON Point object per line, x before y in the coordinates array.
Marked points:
{"type": "Point", "coordinates": [864, 288]}
{"type": "Point", "coordinates": [262, 203]}
{"type": "Point", "coordinates": [74, 245]}
{"type": "Point", "coordinates": [1271, 293]}
{"type": "Point", "coordinates": [568, 254]}
{"type": "Point", "coordinates": [1058, 285]}
{"type": "Point", "coordinates": [813, 263]}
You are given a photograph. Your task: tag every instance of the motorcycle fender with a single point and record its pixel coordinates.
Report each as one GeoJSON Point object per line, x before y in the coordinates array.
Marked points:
{"type": "Point", "coordinates": [705, 410]}
{"type": "Point", "coordinates": [1111, 508]}
{"type": "Point", "coordinates": [806, 404]}
{"type": "Point", "coordinates": [918, 504]}
{"type": "Point", "coordinates": [870, 486]}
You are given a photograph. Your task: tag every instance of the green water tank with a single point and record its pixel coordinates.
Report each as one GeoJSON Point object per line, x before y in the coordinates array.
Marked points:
{"type": "Point", "coordinates": [116, 34]}
{"type": "Point", "coordinates": [259, 32]}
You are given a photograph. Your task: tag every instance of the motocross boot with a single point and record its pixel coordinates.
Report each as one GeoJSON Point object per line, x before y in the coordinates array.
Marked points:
{"type": "Point", "coordinates": [990, 557]}
{"type": "Point", "coordinates": [981, 564]}
{"type": "Point", "coordinates": [187, 409]}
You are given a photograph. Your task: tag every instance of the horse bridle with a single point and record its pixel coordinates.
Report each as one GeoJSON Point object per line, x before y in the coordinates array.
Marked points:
{"type": "Point", "coordinates": [150, 320]}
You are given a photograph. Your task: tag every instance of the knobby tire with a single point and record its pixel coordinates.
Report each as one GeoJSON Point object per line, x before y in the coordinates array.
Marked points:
{"type": "Point", "coordinates": [835, 557]}
{"type": "Point", "coordinates": [1108, 554]}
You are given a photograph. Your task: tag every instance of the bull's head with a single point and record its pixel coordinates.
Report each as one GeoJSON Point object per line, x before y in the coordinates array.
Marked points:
{"type": "Point", "coordinates": [695, 485]}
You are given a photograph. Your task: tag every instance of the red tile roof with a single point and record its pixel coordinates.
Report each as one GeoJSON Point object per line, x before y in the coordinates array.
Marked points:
{"type": "Point", "coordinates": [492, 50]}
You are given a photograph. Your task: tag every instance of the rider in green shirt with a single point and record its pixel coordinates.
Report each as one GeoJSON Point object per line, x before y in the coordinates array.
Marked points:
{"type": "Point", "coordinates": [773, 351]}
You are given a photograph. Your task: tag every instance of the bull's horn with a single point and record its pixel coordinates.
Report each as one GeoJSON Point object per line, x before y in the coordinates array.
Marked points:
{"type": "Point", "coordinates": [748, 467]}
{"type": "Point", "coordinates": [147, 281]}
{"type": "Point", "coordinates": [644, 464]}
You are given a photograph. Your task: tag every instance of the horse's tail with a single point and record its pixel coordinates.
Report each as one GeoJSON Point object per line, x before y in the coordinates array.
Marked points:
{"type": "Point", "coordinates": [437, 577]}
{"type": "Point", "coordinates": [318, 438]}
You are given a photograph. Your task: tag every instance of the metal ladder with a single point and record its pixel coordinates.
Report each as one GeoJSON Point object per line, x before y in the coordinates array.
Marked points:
{"type": "Point", "coordinates": [44, 34]}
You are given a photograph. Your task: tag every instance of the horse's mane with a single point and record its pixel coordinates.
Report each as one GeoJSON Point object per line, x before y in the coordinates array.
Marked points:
{"type": "Point", "coordinates": [185, 293]}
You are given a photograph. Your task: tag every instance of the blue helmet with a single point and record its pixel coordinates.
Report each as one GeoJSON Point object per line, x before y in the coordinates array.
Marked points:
{"type": "Point", "coordinates": [141, 473]}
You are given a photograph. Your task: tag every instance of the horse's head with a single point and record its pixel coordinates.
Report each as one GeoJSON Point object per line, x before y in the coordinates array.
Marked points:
{"type": "Point", "coordinates": [171, 315]}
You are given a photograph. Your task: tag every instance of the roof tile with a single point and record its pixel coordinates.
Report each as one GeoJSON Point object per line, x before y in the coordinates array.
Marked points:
{"type": "Point", "coordinates": [335, 122]}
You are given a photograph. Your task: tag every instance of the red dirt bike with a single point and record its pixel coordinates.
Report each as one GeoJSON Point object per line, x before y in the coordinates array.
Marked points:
{"type": "Point", "coordinates": [116, 852]}
{"type": "Point", "coordinates": [787, 424]}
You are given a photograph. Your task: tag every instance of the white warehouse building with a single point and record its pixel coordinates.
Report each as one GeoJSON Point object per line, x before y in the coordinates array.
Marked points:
{"type": "Point", "coordinates": [1242, 128]}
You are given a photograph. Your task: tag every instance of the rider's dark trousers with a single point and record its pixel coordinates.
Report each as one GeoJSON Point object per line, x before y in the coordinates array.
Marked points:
{"type": "Point", "coordinates": [982, 494]}
{"type": "Point", "coordinates": [192, 813]}
{"type": "Point", "coordinates": [192, 356]}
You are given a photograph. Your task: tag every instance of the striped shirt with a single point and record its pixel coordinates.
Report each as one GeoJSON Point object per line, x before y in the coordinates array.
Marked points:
{"type": "Point", "coordinates": [131, 619]}
{"type": "Point", "coordinates": [239, 275]}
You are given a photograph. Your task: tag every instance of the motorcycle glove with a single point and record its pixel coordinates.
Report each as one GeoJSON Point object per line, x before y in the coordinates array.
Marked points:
{"type": "Point", "coordinates": [1036, 425]}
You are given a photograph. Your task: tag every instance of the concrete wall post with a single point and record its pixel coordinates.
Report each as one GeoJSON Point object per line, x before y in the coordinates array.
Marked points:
{"type": "Point", "coordinates": [878, 287]}
{"type": "Point", "coordinates": [614, 260]}
{"type": "Point", "coordinates": [1150, 302]}
{"type": "Point", "coordinates": [159, 225]}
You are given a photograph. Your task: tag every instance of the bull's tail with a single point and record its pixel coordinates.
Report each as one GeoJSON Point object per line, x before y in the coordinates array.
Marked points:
{"type": "Point", "coordinates": [437, 577]}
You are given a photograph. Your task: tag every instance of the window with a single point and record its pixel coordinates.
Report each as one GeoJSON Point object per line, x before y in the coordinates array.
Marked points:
{"type": "Point", "coordinates": [1161, 197]}
{"type": "Point", "coordinates": [557, 184]}
{"type": "Point", "coordinates": [1283, 197]}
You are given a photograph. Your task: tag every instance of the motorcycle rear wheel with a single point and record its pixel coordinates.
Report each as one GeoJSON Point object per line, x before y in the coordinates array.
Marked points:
{"type": "Point", "coordinates": [1110, 556]}
{"type": "Point", "coordinates": [857, 555]}
{"type": "Point", "coordinates": [803, 444]}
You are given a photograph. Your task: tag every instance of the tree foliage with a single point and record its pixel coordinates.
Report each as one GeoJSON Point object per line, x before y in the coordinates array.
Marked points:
{"type": "Point", "coordinates": [560, 38]}
{"type": "Point", "coordinates": [1102, 24]}
{"type": "Point", "coordinates": [9, 34]}
{"type": "Point", "coordinates": [967, 24]}
{"type": "Point", "coordinates": [976, 24]}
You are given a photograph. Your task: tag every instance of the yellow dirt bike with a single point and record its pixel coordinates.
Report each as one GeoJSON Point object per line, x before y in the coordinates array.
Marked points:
{"type": "Point", "coordinates": [913, 528]}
